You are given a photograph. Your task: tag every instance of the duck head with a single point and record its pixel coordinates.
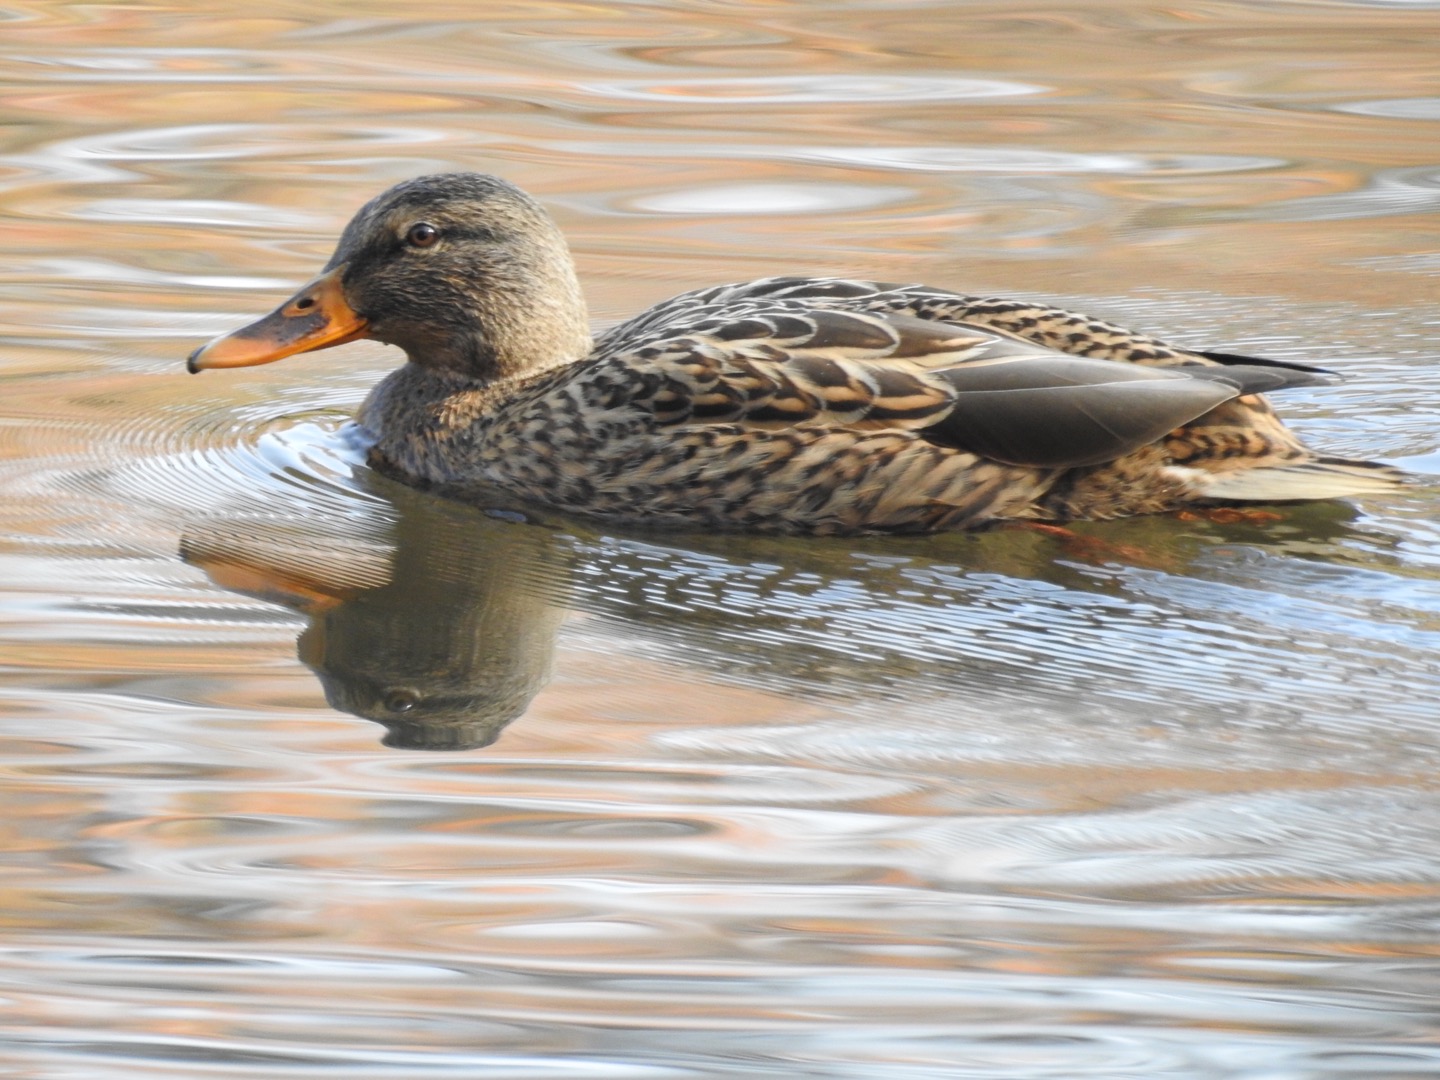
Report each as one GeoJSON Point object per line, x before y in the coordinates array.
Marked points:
{"type": "Point", "coordinates": [465, 272]}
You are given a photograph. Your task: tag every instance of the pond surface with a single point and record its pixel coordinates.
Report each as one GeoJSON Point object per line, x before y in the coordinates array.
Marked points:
{"type": "Point", "coordinates": [1160, 802]}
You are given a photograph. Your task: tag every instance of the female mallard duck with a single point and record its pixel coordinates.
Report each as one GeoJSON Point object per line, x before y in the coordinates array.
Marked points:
{"type": "Point", "coordinates": [787, 404]}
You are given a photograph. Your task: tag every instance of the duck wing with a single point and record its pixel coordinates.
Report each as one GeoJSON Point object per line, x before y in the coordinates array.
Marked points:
{"type": "Point", "coordinates": [775, 363]}
{"type": "Point", "coordinates": [1040, 324]}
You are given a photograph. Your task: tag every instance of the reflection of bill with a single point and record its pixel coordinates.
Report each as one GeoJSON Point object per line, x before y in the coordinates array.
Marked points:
{"type": "Point", "coordinates": [442, 633]}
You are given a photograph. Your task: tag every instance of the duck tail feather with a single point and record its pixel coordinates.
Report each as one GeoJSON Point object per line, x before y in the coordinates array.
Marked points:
{"type": "Point", "coordinates": [1323, 478]}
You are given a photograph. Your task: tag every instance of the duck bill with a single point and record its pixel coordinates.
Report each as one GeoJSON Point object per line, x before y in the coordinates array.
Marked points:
{"type": "Point", "coordinates": [316, 317]}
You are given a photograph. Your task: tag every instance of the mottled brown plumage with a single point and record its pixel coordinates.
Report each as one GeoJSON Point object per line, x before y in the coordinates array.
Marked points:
{"type": "Point", "coordinates": [787, 404]}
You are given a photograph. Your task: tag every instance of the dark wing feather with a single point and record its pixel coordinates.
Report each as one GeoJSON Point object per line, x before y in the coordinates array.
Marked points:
{"type": "Point", "coordinates": [1067, 426]}
{"type": "Point", "coordinates": [1259, 378]}
{"type": "Point", "coordinates": [1229, 359]}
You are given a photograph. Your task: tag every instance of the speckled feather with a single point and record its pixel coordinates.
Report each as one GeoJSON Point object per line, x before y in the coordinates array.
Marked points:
{"type": "Point", "coordinates": [812, 405]}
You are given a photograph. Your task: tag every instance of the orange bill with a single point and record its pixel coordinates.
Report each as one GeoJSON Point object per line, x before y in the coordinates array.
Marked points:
{"type": "Point", "coordinates": [316, 317]}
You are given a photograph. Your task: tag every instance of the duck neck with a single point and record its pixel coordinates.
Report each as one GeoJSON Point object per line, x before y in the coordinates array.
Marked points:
{"type": "Point", "coordinates": [532, 322]}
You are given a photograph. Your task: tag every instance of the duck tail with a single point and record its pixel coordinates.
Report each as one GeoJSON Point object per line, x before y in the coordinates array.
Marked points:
{"type": "Point", "coordinates": [1323, 478]}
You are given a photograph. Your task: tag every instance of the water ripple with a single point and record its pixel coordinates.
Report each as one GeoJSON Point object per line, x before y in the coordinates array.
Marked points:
{"type": "Point", "coordinates": [1422, 108]}
{"type": "Point", "coordinates": [814, 89]}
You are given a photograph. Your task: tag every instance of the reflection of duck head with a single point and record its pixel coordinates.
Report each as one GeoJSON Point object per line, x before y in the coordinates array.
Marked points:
{"type": "Point", "coordinates": [444, 646]}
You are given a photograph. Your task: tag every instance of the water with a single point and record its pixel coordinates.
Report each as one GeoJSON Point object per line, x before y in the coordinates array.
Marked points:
{"type": "Point", "coordinates": [1156, 803]}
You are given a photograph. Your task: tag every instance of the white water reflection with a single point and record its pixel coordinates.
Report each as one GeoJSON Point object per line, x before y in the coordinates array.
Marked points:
{"type": "Point", "coordinates": [816, 89]}
{"type": "Point", "coordinates": [1022, 162]}
{"type": "Point", "coordinates": [768, 199]}
{"type": "Point", "coordinates": [1421, 108]}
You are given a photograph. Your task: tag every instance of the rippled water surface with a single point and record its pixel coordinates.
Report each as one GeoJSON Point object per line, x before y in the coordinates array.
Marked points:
{"type": "Point", "coordinates": [1158, 802]}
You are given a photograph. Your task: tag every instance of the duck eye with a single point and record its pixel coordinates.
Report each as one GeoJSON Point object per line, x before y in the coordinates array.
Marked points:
{"type": "Point", "coordinates": [400, 700]}
{"type": "Point", "coordinates": [422, 235]}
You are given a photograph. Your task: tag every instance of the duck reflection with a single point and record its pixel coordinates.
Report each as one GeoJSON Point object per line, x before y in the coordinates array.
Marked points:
{"type": "Point", "coordinates": [442, 628]}
{"type": "Point", "coordinates": [441, 624]}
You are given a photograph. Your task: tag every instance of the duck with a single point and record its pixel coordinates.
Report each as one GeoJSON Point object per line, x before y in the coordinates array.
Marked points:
{"type": "Point", "coordinates": [809, 405]}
